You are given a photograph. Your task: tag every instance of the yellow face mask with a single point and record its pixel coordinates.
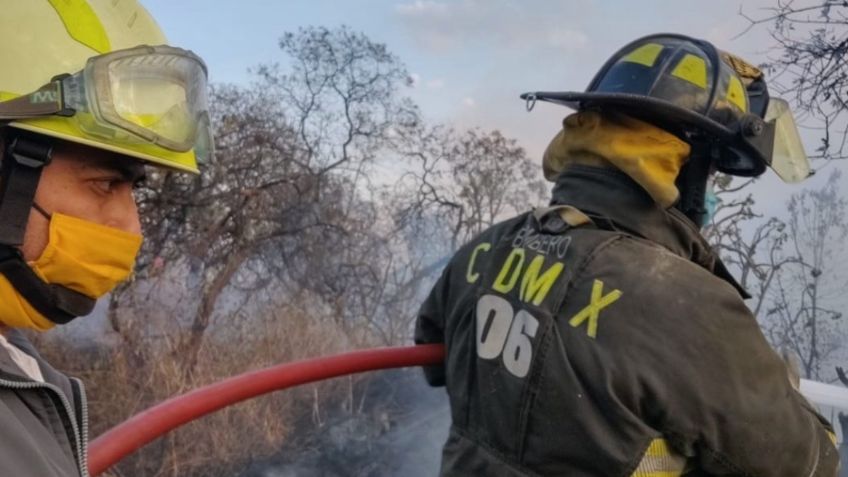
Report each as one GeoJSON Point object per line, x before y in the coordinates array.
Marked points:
{"type": "Point", "coordinates": [649, 155]}
{"type": "Point", "coordinates": [86, 257]}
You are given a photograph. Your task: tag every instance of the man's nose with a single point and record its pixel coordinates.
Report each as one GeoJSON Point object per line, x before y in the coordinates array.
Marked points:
{"type": "Point", "coordinates": [123, 214]}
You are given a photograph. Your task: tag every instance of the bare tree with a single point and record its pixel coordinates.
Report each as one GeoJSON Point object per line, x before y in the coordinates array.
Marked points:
{"type": "Point", "coordinates": [284, 208]}
{"type": "Point", "coordinates": [468, 181]}
{"type": "Point", "coordinates": [293, 153]}
{"type": "Point", "coordinates": [750, 244]}
{"type": "Point", "coordinates": [809, 65]}
{"type": "Point", "coordinates": [803, 314]}
{"type": "Point", "coordinates": [790, 266]}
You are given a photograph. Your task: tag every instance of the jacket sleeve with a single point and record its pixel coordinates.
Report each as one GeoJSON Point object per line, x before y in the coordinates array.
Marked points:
{"type": "Point", "coordinates": [430, 325]}
{"type": "Point", "coordinates": [683, 352]}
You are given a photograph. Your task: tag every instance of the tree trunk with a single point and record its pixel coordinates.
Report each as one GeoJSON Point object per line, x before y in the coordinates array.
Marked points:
{"type": "Point", "coordinates": [189, 349]}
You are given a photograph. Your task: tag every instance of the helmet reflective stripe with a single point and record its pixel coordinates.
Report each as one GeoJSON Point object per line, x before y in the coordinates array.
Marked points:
{"type": "Point", "coordinates": [736, 94]}
{"type": "Point", "coordinates": [83, 24]}
{"type": "Point", "coordinates": [645, 55]}
{"type": "Point", "coordinates": [692, 69]}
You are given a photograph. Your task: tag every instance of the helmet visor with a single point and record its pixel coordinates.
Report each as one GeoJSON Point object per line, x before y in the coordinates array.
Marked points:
{"type": "Point", "coordinates": [159, 95]}
{"type": "Point", "coordinates": [789, 160]}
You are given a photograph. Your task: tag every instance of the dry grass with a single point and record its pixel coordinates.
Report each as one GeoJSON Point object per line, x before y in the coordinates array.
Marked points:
{"type": "Point", "coordinates": [123, 380]}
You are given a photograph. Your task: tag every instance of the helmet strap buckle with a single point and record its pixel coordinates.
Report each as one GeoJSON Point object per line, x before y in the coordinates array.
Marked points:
{"type": "Point", "coordinates": [20, 173]}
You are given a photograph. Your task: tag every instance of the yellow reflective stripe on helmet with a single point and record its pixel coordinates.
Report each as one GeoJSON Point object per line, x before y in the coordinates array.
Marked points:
{"type": "Point", "coordinates": [736, 93]}
{"type": "Point", "coordinates": [644, 55]}
{"type": "Point", "coordinates": [692, 69]}
{"type": "Point", "coordinates": [660, 460]}
{"type": "Point", "coordinates": [83, 24]}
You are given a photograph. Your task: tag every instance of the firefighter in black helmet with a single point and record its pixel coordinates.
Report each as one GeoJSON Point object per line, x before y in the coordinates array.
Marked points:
{"type": "Point", "coordinates": [602, 336]}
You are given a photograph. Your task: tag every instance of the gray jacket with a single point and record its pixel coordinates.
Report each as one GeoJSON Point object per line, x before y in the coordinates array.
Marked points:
{"type": "Point", "coordinates": [43, 426]}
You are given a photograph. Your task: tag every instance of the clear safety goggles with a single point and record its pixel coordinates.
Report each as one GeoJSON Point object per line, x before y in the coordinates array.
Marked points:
{"type": "Point", "coordinates": [146, 94]}
{"type": "Point", "coordinates": [788, 158]}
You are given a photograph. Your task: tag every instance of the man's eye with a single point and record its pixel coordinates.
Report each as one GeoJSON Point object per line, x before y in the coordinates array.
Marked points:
{"type": "Point", "coordinates": [105, 185]}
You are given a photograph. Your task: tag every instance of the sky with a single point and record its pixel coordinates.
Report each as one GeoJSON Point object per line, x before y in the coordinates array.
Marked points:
{"type": "Point", "coordinates": [470, 59]}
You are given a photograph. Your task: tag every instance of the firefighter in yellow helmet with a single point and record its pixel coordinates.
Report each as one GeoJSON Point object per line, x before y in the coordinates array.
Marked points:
{"type": "Point", "coordinates": [89, 94]}
{"type": "Point", "coordinates": [602, 335]}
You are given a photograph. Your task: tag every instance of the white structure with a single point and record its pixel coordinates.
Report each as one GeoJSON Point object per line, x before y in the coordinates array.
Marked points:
{"type": "Point", "coordinates": [830, 400]}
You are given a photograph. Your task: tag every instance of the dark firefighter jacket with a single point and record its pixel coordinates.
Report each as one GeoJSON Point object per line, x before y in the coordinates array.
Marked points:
{"type": "Point", "coordinates": [43, 428]}
{"type": "Point", "coordinates": [612, 347]}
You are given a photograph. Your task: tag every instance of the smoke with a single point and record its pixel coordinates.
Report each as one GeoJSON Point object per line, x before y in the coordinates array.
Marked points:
{"type": "Point", "coordinates": [416, 441]}
{"type": "Point", "coordinates": [400, 431]}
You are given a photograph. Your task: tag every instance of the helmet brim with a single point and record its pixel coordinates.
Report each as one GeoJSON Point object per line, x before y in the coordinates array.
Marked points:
{"type": "Point", "coordinates": [677, 120]}
{"type": "Point", "coordinates": [644, 106]}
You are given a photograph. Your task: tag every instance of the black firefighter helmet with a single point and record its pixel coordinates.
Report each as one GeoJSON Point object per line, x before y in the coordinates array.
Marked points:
{"type": "Point", "coordinates": [690, 88]}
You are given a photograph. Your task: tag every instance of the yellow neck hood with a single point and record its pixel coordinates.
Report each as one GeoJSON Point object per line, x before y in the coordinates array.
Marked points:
{"type": "Point", "coordinates": [649, 155]}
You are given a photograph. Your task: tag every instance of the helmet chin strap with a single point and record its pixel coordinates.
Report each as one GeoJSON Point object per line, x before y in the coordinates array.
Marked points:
{"type": "Point", "coordinates": [20, 172]}
{"type": "Point", "coordinates": [692, 180]}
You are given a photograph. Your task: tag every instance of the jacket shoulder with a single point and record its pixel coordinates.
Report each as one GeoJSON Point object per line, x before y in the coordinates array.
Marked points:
{"type": "Point", "coordinates": [649, 303]}
{"type": "Point", "coordinates": [652, 272]}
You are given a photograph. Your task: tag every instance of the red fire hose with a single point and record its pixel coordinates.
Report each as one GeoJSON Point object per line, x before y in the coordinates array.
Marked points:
{"type": "Point", "coordinates": [141, 429]}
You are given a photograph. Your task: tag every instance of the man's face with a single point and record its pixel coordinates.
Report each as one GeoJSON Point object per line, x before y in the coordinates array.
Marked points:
{"type": "Point", "coordinates": [86, 183]}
